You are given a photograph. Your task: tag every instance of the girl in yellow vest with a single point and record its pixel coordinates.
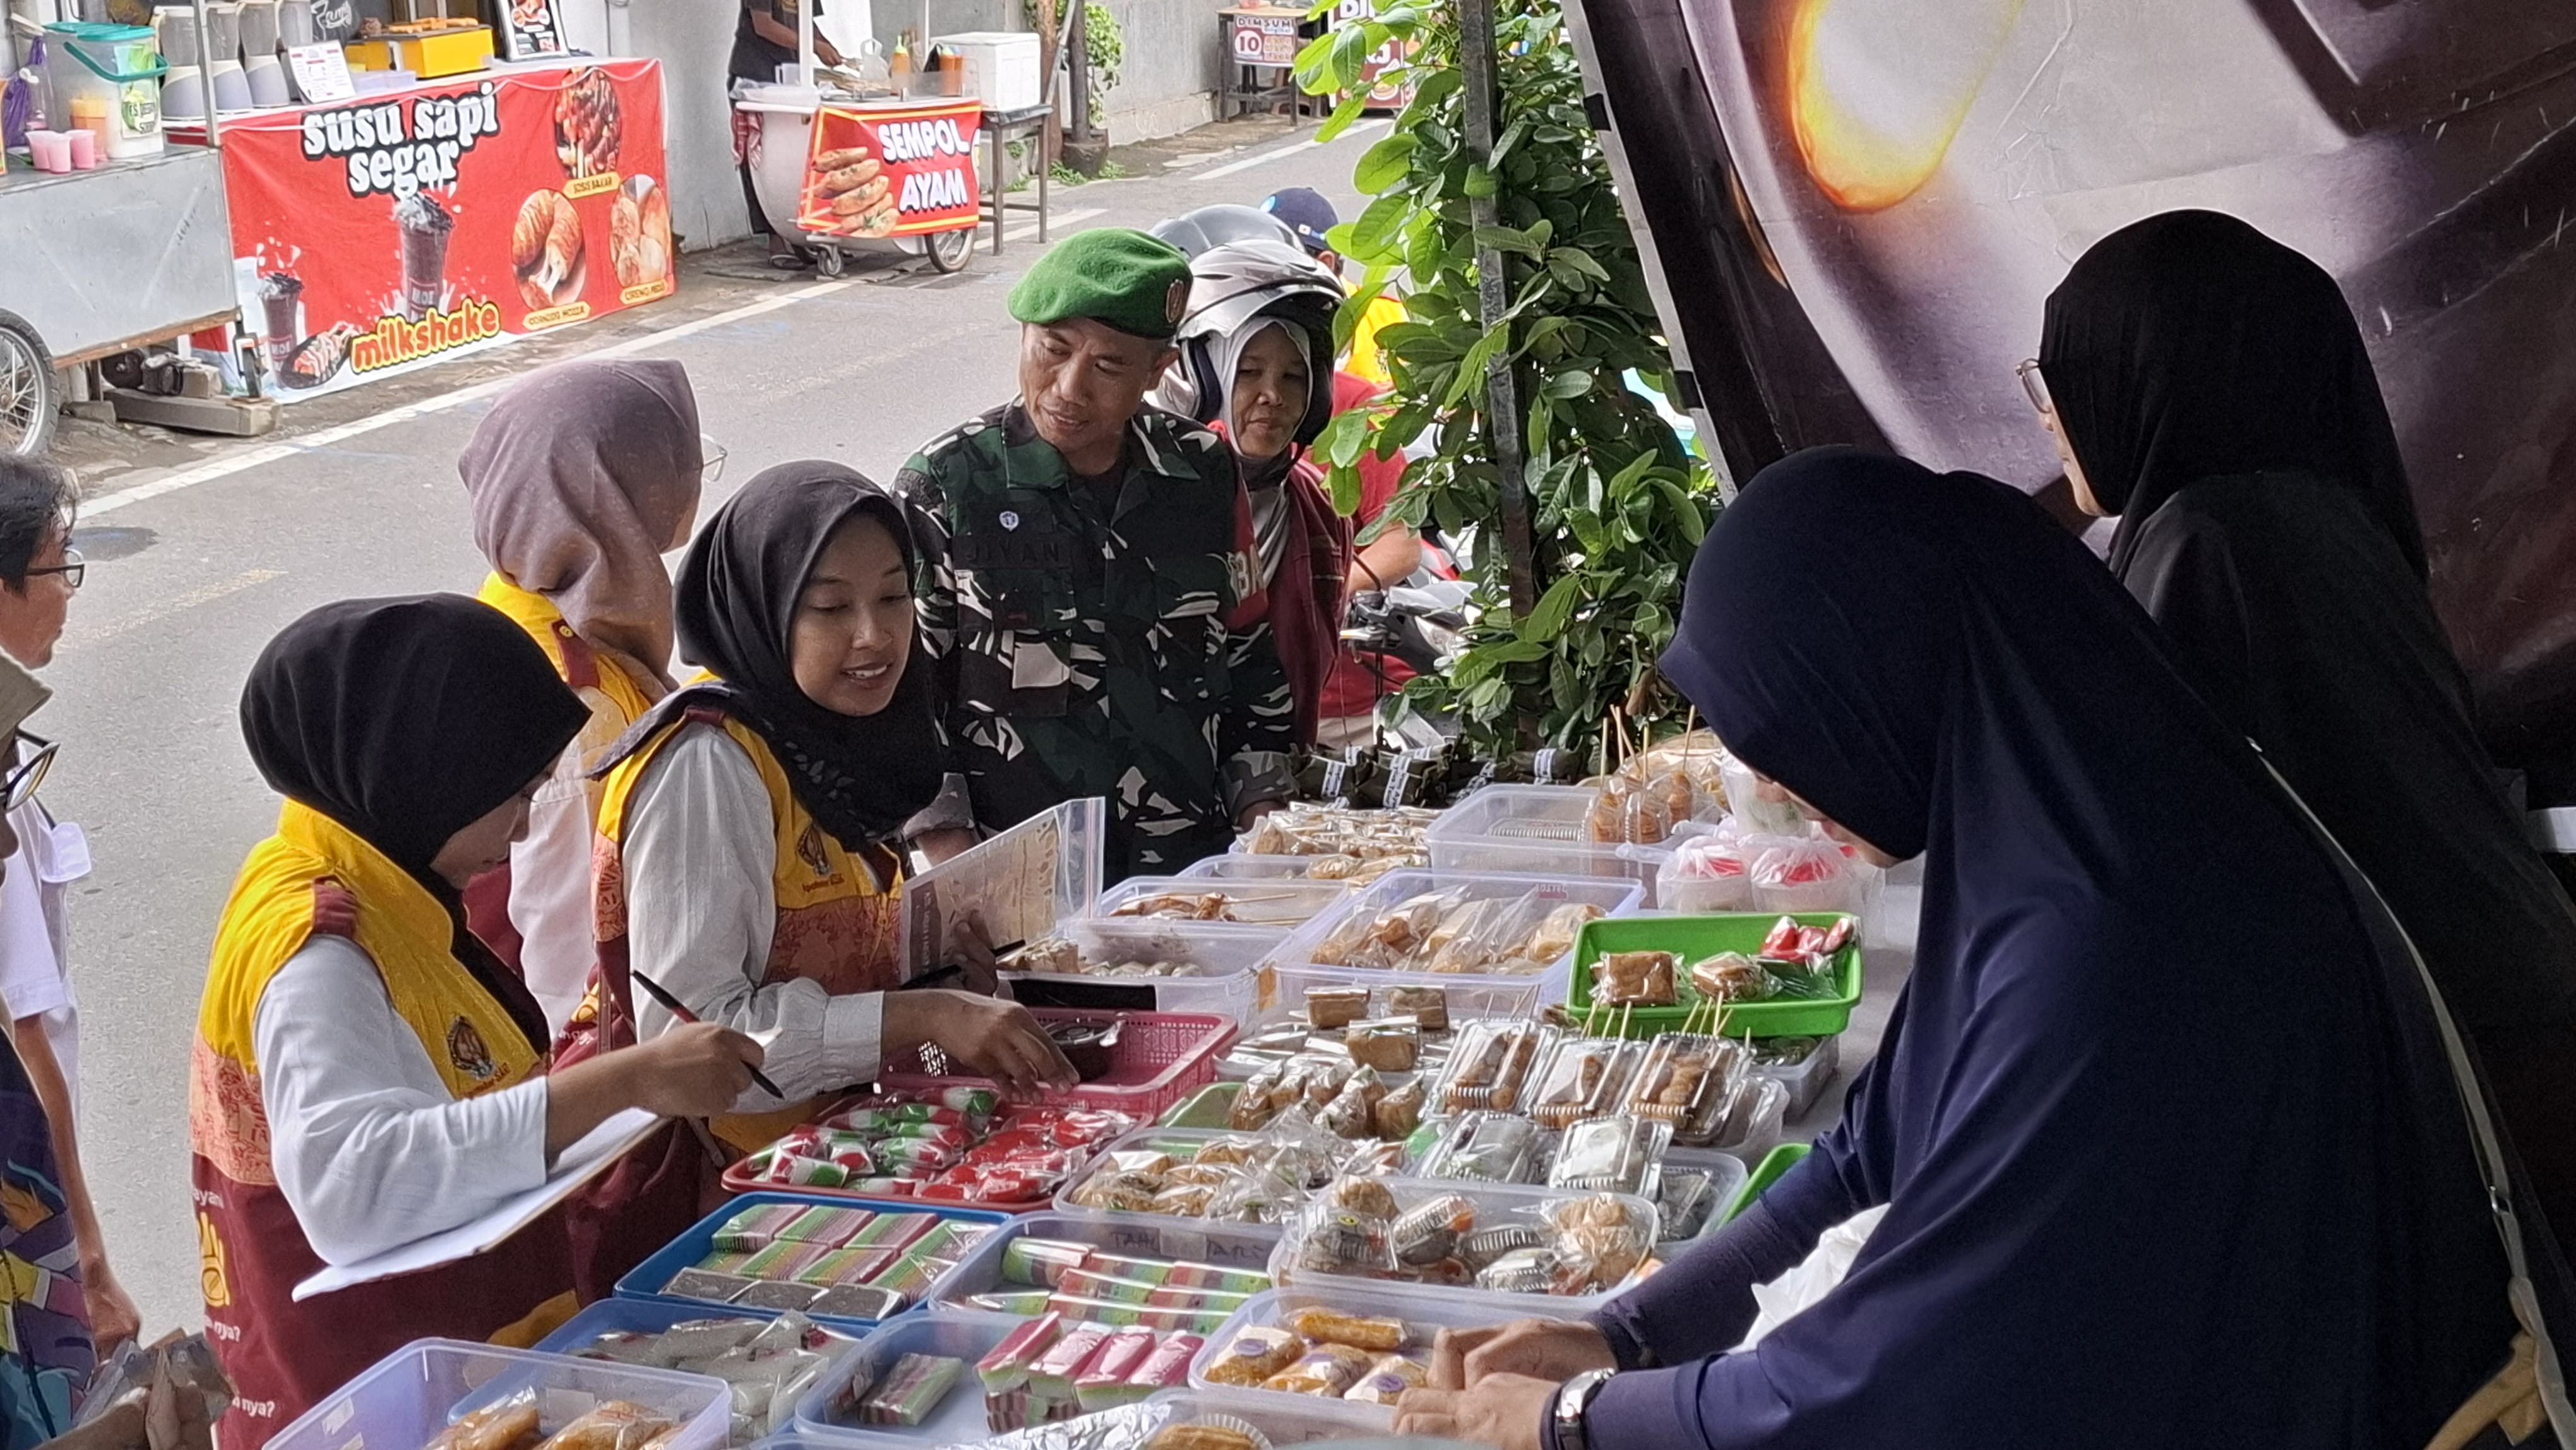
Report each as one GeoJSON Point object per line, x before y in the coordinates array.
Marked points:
{"type": "Point", "coordinates": [581, 477]}
{"type": "Point", "coordinates": [748, 858]}
{"type": "Point", "coordinates": [365, 1072]}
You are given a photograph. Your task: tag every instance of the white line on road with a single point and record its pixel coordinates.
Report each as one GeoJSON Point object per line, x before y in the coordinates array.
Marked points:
{"type": "Point", "coordinates": [246, 579]}
{"type": "Point", "coordinates": [1249, 162]}
{"type": "Point", "coordinates": [225, 467]}
{"type": "Point", "coordinates": [1053, 219]}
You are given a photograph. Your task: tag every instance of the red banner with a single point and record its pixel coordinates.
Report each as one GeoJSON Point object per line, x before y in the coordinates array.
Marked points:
{"type": "Point", "coordinates": [892, 173]}
{"type": "Point", "coordinates": [380, 235]}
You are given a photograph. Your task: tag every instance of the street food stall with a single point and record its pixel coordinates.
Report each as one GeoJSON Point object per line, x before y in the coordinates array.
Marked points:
{"type": "Point", "coordinates": [106, 257]}
{"type": "Point", "coordinates": [381, 232]}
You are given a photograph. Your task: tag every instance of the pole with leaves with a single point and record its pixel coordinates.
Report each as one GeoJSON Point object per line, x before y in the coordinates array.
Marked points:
{"type": "Point", "coordinates": [1528, 317]}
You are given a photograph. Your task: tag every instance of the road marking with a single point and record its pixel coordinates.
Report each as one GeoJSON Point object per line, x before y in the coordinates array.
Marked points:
{"type": "Point", "coordinates": [248, 578]}
{"type": "Point", "coordinates": [208, 472]}
{"type": "Point", "coordinates": [1249, 162]}
{"type": "Point", "coordinates": [1054, 219]}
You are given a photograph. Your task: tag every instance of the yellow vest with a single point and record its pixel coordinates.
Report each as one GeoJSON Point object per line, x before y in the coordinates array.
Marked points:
{"type": "Point", "coordinates": [838, 912]}
{"type": "Point", "coordinates": [1367, 359]}
{"type": "Point", "coordinates": [283, 895]}
{"type": "Point", "coordinates": [604, 679]}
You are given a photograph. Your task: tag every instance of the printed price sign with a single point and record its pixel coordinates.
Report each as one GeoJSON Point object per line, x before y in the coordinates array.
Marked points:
{"type": "Point", "coordinates": [321, 71]}
{"type": "Point", "coordinates": [1265, 39]}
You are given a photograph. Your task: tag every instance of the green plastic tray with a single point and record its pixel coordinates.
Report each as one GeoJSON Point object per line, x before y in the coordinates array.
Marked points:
{"type": "Point", "coordinates": [1696, 939]}
{"type": "Point", "coordinates": [1209, 1107]}
{"type": "Point", "coordinates": [1765, 1173]}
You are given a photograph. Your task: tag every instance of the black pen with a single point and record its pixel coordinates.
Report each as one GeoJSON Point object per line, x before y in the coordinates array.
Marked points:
{"type": "Point", "coordinates": [672, 1005]}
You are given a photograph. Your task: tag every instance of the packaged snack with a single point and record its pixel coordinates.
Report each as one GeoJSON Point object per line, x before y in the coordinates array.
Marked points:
{"type": "Point", "coordinates": [1255, 1355]}
{"type": "Point", "coordinates": [856, 1301]}
{"type": "Point", "coordinates": [1583, 1078]}
{"type": "Point", "coordinates": [1168, 1365]}
{"type": "Point", "coordinates": [755, 1227]}
{"type": "Point", "coordinates": [1400, 1112]}
{"type": "Point", "coordinates": [1118, 1192]}
{"type": "Point", "coordinates": [1605, 821]}
{"type": "Point", "coordinates": [1432, 1230]}
{"type": "Point", "coordinates": [1122, 1266]}
{"type": "Point", "coordinates": [1522, 1271]}
{"type": "Point", "coordinates": [1362, 1195]}
{"type": "Point", "coordinates": [1104, 1381]}
{"type": "Point", "coordinates": [1731, 977]}
{"type": "Point", "coordinates": [1427, 1006]}
{"type": "Point", "coordinates": [911, 1390]}
{"type": "Point", "coordinates": [1387, 1380]}
{"type": "Point", "coordinates": [1555, 934]}
{"type": "Point", "coordinates": [1617, 1155]}
{"type": "Point", "coordinates": [1107, 1313]}
{"type": "Point", "coordinates": [1323, 1079]}
{"type": "Point", "coordinates": [1041, 1261]}
{"type": "Point", "coordinates": [1706, 874]}
{"type": "Point", "coordinates": [1022, 1302]}
{"type": "Point", "coordinates": [708, 1285]}
{"type": "Point", "coordinates": [910, 1275]}
{"type": "Point", "coordinates": [1170, 1297]}
{"type": "Point", "coordinates": [1338, 1241]}
{"type": "Point", "coordinates": [1635, 979]}
{"type": "Point", "coordinates": [616, 1425]}
{"type": "Point", "coordinates": [1333, 1008]}
{"type": "Point", "coordinates": [1094, 1285]}
{"type": "Point", "coordinates": [1052, 1373]}
{"type": "Point", "coordinates": [1187, 1275]}
{"type": "Point", "coordinates": [1006, 1367]}
{"type": "Point", "coordinates": [1193, 1321]}
{"type": "Point", "coordinates": [1599, 1241]}
{"type": "Point", "coordinates": [1487, 1245]}
{"type": "Point", "coordinates": [1349, 1114]}
{"type": "Point", "coordinates": [1491, 1065]}
{"type": "Point", "coordinates": [783, 1259]}
{"type": "Point", "coordinates": [1324, 1369]}
{"type": "Point", "coordinates": [892, 1230]}
{"type": "Point", "coordinates": [1689, 1082]}
{"type": "Point", "coordinates": [779, 1294]}
{"type": "Point", "coordinates": [1803, 874]}
{"type": "Point", "coordinates": [502, 1427]}
{"type": "Point", "coordinates": [1184, 1200]}
{"type": "Point", "coordinates": [1330, 1326]}
{"type": "Point", "coordinates": [1259, 1099]}
{"type": "Point", "coordinates": [1201, 1175]}
{"type": "Point", "coordinates": [846, 1266]}
{"type": "Point", "coordinates": [1683, 1202]}
{"type": "Point", "coordinates": [1489, 1146]}
{"type": "Point", "coordinates": [1232, 1150]}
{"type": "Point", "coordinates": [1388, 1044]}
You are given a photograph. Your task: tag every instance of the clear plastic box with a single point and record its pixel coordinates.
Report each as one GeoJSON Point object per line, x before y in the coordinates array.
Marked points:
{"type": "Point", "coordinates": [1282, 1419]}
{"type": "Point", "coordinates": [418, 1390]}
{"type": "Point", "coordinates": [1226, 1245]}
{"type": "Point", "coordinates": [1614, 897]}
{"type": "Point", "coordinates": [1534, 830]}
{"type": "Point", "coordinates": [1425, 1318]}
{"type": "Point", "coordinates": [1496, 1203]}
{"type": "Point", "coordinates": [1228, 986]}
{"type": "Point", "coordinates": [828, 1412]}
{"type": "Point", "coordinates": [1019, 884]}
{"type": "Point", "coordinates": [1243, 865]}
{"type": "Point", "coordinates": [1807, 1078]}
{"type": "Point", "coordinates": [1282, 905]}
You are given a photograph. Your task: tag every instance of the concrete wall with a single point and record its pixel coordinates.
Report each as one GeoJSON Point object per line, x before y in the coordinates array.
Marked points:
{"type": "Point", "coordinates": [1169, 81]}
{"type": "Point", "coordinates": [693, 40]}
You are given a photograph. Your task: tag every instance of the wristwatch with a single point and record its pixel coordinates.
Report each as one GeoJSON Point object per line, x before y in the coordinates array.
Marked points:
{"type": "Point", "coordinates": [1573, 1399]}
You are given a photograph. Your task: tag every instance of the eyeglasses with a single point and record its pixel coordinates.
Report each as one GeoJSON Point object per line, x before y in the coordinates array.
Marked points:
{"type": "Point", "coordinates": [714, 455]}
{"type": "Point", "coordinates": [73, 568]}
{"type": "Point", "coordinates": [2034, 385]}
{"type": "Point", "coordinates": [20, 785]}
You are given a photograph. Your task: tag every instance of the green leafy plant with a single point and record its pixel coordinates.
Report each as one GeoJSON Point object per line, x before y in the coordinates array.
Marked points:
{"type": "Point", "coordinates": [1105, 50]}
{"type": "Point", "coordinates": [1617, 505]}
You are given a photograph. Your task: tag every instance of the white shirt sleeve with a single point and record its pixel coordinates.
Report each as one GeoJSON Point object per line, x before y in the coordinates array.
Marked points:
{"type": "Point", "coordinates": [32, 981]}
{"type": "Point", "coordinates": [700, 847]}
{"type": "Point", "coordinates": [550, 886]}
{"type": "Point", "coordinates": [370, 1150]}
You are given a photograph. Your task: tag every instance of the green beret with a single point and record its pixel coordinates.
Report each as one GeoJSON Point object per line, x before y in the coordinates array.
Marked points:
{"type": "Point", "coordinates": [1133, 282]}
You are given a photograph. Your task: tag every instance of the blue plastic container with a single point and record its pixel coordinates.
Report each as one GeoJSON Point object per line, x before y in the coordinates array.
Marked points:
{"type": "Point", "coordinates": [644, 1283]}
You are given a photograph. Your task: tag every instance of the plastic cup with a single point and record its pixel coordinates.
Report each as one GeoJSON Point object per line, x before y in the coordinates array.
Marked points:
{"type": "Point", "coordinates": [51, 150]}
{"type": "Point", "coordinates": [83, 149]}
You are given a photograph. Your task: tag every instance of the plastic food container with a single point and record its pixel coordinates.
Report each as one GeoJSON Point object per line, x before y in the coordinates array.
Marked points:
{"type": "Point", "coordinates": [1156, 1062]}
{"type": "Point", "coordinates": [1282, 1419]}
{"type": "Point", "coordinates": [418, 1390]}
{"type": "Point", "coordinates": [743, 1176]}
{"type": "Point", "coordinates": [1614, 898]}
{"type": "Point", "coordinates": [1181, 1143]}
{"type": "Point", "coordinates": [1726, 1177]}
{"type": "Point", "coordinates": [1424, 1318]}
{"type": "Point", "coordinates": [644, 1282]}
{"type": "Point", "coordinates": [1496, 1204]}
{"type": "Point", "coordinates": [828, 1411]}
{"type": "Point", "coordinates": [990, 884]}
{"type": "Point", "coordinates": [1807, 1078]}
{"type": "Point", "coordinates": [1242, 865]}
{"type": "Point", "coordinates": [1695, 939]}
{"type": "Point", "coordinates": [1281, 905]}
{"type": "Point", "coordinates": [1774, 1164]}
{"type": "Point", "coordinates": [1226, 985]}
{"type": "Point", "coordinates": [1226, 1245]}
{"type": "Point", "coordinates": [1533, 830]}
{"type": "Point", "coordinates": [636, 1316]}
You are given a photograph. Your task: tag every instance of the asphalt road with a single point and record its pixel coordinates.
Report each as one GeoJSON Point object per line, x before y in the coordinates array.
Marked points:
{"type": "Point", "coordinates": [205, 550]}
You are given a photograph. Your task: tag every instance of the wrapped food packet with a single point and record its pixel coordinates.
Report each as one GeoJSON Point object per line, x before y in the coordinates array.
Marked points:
{"type": "Point", "coordinates": [1333, 1008]}
{"type": "Point", "coordinates": [1386, 1044]}
{"type": "Point", "coordinates": [1432, 1230]}
{"type": "Point", "coordinates": [1254, 1355]}
{"type": "Point", "coordinates": [1732, 977]}
{"type": "Point", "coordinates": [1689, 1082]}
{"type": "Point", "coordinates": [1617, 1155]}
{"type": "Point", "coordinates": [1555, 933]}
{"type": "Point", "coordinates": [1399, 1112]}
{"type": "Point", "coordinates": [1324, 1369]}
{"type": "Point", "coordinates": [1386, 1381]}
{"type": "Point", "coordinates": [1635, 979]}
{"type": "Point", "coordinates": [1806, 873]}
{"type": "Point", "coordinates": [1491, 1066]}
{"type": "Point", "coordinates": [1706, 873]}
{"type": "Point", "coordinates": [1487, 1146]}
{"type": "Point", "coordinates": [1428, 1006]}
{"type": "Point", "coordinates": [1319, 1325]}
{"type": "Point", "coordinates": [1582, 1079]}
{"type": "Point", "coordinates": [1337, 1241]}
{"type": "Point", "coordinates": [1599, 1240]}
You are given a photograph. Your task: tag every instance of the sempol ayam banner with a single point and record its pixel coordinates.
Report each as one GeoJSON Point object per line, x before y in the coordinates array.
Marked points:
{"type": "Point", "coordinates": [892, 172]}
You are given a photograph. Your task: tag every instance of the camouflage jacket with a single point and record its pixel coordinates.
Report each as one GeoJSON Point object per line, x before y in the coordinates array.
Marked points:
{"type": "Point", "coordinates": [1099, 645]}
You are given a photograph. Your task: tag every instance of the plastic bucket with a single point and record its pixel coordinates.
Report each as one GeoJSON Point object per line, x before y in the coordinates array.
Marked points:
{"type": "Point", "coordinates": [122, 65]}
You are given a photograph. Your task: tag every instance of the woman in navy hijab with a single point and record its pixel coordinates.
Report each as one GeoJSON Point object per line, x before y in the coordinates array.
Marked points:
{"type": "Point", "coordinates": [2167, 1138]}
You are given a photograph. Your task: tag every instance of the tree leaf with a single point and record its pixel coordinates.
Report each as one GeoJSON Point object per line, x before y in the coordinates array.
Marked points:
{"type": "Point", "coordinates": [1547, 618]}
{"type": "Point", "coordinates": [1572, 383]}
{"type": "Point", "coordinates": [1344, 116]}
{"type": "Point", "coordinates": [1373, 236]}
{"type": "Point", "coordinates": [1384, 164]}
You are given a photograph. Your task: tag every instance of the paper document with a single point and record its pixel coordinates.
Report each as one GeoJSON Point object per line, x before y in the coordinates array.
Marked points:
{"type": "Point", "coordinates": [575, 1166]}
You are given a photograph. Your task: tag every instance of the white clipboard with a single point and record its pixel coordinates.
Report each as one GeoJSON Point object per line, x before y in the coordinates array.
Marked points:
{"type": "Point", "coordinates": [575, 1166]}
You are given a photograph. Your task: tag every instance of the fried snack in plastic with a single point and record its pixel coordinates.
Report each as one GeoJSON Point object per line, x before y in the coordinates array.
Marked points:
{"type": "Point", "coordinates": [1325, 1370]}
{"type": "Point", "coordinates": [1207, 1437]}
{"type": "Point", "coordinates": [1330, 1326]}
{"type": "Point", "coordinates": [1332, 1008]}
{"type": "Point", "coordinates": [615, 1425]}
{"type": "Point", "coordinates": [1491, 1065]}
{"type": "Point", "coordinates": [1617, 1155]}
{"type": "Point", "coordinates": [1582, 1079]}
{"type": "Point", "coordinates": [1688, 1081]}
{"type": "Point", "coordinates": [1362, 1195]}
{"type": "Point", "coordinates": [1388, 1044]}
{"type": "Point", "coordinates": [1432, 1230]}
{"type": "Point", "coordinates": [1338, 1241]}
{"type": "Point", "coordinates": [1400, 1112]}
{"type": "Point", "coordinates": [501, 1427]}
{"type": "Point", "coordinates": [1255, 1355]}
{"type": "Point", "coordinates": [1118, 1192]}
{"type": "Point", "coordinates": [1731, 977]}
{"type": "Point", "coordinates": [1386, 1381]}
{"type": "Point", "coordinates": [1600, 1240]}
{"type": "Point", "coordinates": [1556, 933]}
{"type": "Point", "coordinates": [1428, 1006]}
{"type": "Point", "coordinates": [1635, 979]}
{"type": "Point", "coordinates": [1488, 1146]}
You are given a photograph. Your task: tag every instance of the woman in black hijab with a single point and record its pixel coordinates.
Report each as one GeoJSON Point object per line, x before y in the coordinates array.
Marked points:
{"type": "Point", "coordinates": [2168, 1148]}
{"type": "Point", "coordinates": [757, 815]}
{"type": "Point", "coordinates": [2208, 386]}
{"type": "Point", "coordinates": [366, 1073]}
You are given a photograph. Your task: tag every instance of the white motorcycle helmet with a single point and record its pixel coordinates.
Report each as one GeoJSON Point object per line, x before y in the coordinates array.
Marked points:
{"type": "Point", "coordinates": [1231, 285]}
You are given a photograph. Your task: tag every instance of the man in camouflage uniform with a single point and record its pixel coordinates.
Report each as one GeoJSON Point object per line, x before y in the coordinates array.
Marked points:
{"type": "Point", "coordinates": [1089, 591]}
